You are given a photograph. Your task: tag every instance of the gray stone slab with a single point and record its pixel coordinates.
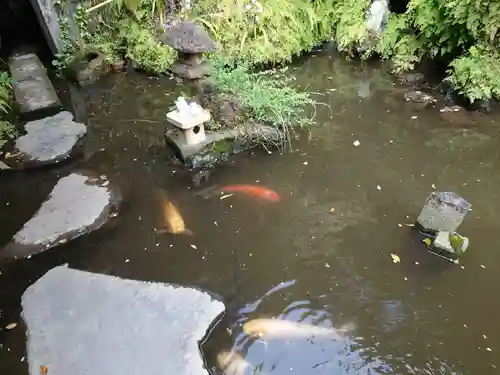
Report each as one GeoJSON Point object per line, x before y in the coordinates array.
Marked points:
{"type": "Point", "coordinates": [78, 204]}
{"type": "Point", "coordinates": [47, 141]}
{"type": "Point", "coordinates": [32, 87]}
{"type": "Point", "coordinates": [81, 323]}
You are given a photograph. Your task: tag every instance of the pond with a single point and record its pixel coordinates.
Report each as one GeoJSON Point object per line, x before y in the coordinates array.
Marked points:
{"type": "Point", "coordinates": [320, 255]}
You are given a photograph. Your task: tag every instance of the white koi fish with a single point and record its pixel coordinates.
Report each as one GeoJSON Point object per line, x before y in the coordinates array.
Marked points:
{"type": "Point", "coordinates": [276, 328]}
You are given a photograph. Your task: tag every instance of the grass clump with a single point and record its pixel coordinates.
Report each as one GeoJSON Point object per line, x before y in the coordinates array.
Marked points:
{"type": "Point", "coordinates": [270, 100]}
{"type": "Point", "coordinates": [7, 129]}
{"type": "Point", "coordinates": [266, 100]}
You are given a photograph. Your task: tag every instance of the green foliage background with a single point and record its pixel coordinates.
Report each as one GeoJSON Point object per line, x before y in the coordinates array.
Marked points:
{"type": "Point", "coordinates": [463, 32]}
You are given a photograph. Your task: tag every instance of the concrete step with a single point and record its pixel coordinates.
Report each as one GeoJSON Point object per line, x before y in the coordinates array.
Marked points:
{"type": "Point", "coordinates": [32, 87]}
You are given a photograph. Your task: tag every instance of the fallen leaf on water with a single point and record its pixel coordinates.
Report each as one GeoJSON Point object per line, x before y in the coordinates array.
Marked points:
{"type": "Point", "coordinates": [194, 247]}
{"type": "Point", "coordinates": [395, 258]}
{"type": "Point", "coordinates": [332, 209]}
{"type": "Point", "coordinates": [427, 241]}
{"type": "Point", "coordinates": [11, 326]}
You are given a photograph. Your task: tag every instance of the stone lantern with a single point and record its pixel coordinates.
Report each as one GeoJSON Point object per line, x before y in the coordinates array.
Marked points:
{"type": "Point", "coordinates": [190, 41]}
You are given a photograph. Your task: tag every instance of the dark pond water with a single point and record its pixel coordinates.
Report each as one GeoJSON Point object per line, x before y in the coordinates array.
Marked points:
{"type": "Point", "coordinates": [322, 254]}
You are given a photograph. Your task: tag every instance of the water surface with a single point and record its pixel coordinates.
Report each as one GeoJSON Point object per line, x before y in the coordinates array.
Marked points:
{"type": "Point", "coordinates": [321, 255]}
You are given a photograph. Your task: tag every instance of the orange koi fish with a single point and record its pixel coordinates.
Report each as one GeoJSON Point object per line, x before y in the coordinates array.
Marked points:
{"type": "Point", "coordinates": [253, 191]}
{"type": "Point", "coordinates": [172, 219]}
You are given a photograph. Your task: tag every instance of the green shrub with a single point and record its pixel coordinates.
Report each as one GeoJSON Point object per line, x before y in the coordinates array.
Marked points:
{"type": "Point", "coordinates": [145, 50]}
{"type": "Point", "coordinates": [349, 22]}
{"type": "Point", "coordinates": [476, 74]}
{"type": "Point", "coordinates": [397, 43]}
{"type": "Point", "coordinates": [272, 32]}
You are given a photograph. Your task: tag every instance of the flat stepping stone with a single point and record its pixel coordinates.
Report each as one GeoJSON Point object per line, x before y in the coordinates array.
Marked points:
{"type": "Point", "coordinates": [32, 88]}
{"type": "Point", "coordinates": [48, 141]}
{"type": "Point", "coordinates": [78, 204]}
{"type": "Point", "coordinates": [81, 323]}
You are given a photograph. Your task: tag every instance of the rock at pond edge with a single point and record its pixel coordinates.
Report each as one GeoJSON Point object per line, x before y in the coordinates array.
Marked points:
{"type": "Point", "coordinates": [206, 155]}
{"type": "Point", "coordinates": [77, 205]}
{"type": "Point", "coordinates": [84, 323]}
{"type": "Point", "coordinates": [48, 141]}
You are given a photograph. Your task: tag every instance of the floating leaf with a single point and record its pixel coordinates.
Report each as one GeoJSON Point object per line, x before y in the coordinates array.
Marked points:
{"type": "Point", "coordinates": [427, 241]}
{"type": "Point", "coordinates": [395, 258]}
{"type": "Point", "coordinates": [332, 209]}
{"type": "Point", "coordinates": [11, 326]}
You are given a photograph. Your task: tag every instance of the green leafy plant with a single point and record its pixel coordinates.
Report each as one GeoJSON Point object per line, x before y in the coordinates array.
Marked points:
{"type": "Point", "coordinates": [350, 27]}
{"type": "Point", "coordinates": [475, 74]}
{"type": "Point", "coordinates": [397, 43]}
{"type": "Point", "coordinates": [273, 31]}
{"type": "Point", "coordinates": [5, 92]}
{"type": "Point", "coordinates": [145, 50]}
{"type": "Point", "coordinates": [7, 129]}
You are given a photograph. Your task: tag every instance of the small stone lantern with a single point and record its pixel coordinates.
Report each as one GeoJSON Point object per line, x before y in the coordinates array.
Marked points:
{"type": "Point", "coordinates": [191, 127]}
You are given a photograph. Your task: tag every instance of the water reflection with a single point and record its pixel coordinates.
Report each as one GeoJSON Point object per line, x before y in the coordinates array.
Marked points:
{"type": "Point", "coordinates": [303, 353]}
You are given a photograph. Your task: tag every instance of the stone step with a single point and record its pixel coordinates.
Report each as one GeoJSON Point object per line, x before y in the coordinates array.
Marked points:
{"type": "Point", "coordinates": [85, 323]}
{"type": "Point", "coordinates": [47, 141]}
{"type": "Point", "coordinates": [78, 204]}
{"type": "Point", "coordinates": [33, 90]}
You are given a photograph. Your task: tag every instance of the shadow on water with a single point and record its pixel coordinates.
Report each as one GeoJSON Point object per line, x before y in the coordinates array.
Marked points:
{"type": "Point", "coordinates": [321, 255]}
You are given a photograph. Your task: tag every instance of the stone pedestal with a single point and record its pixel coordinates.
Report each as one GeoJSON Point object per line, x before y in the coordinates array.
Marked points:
{"type": "Point", "coordinates": [191, 66]}
{"type": "Point", "coordinates": [445, 247]}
